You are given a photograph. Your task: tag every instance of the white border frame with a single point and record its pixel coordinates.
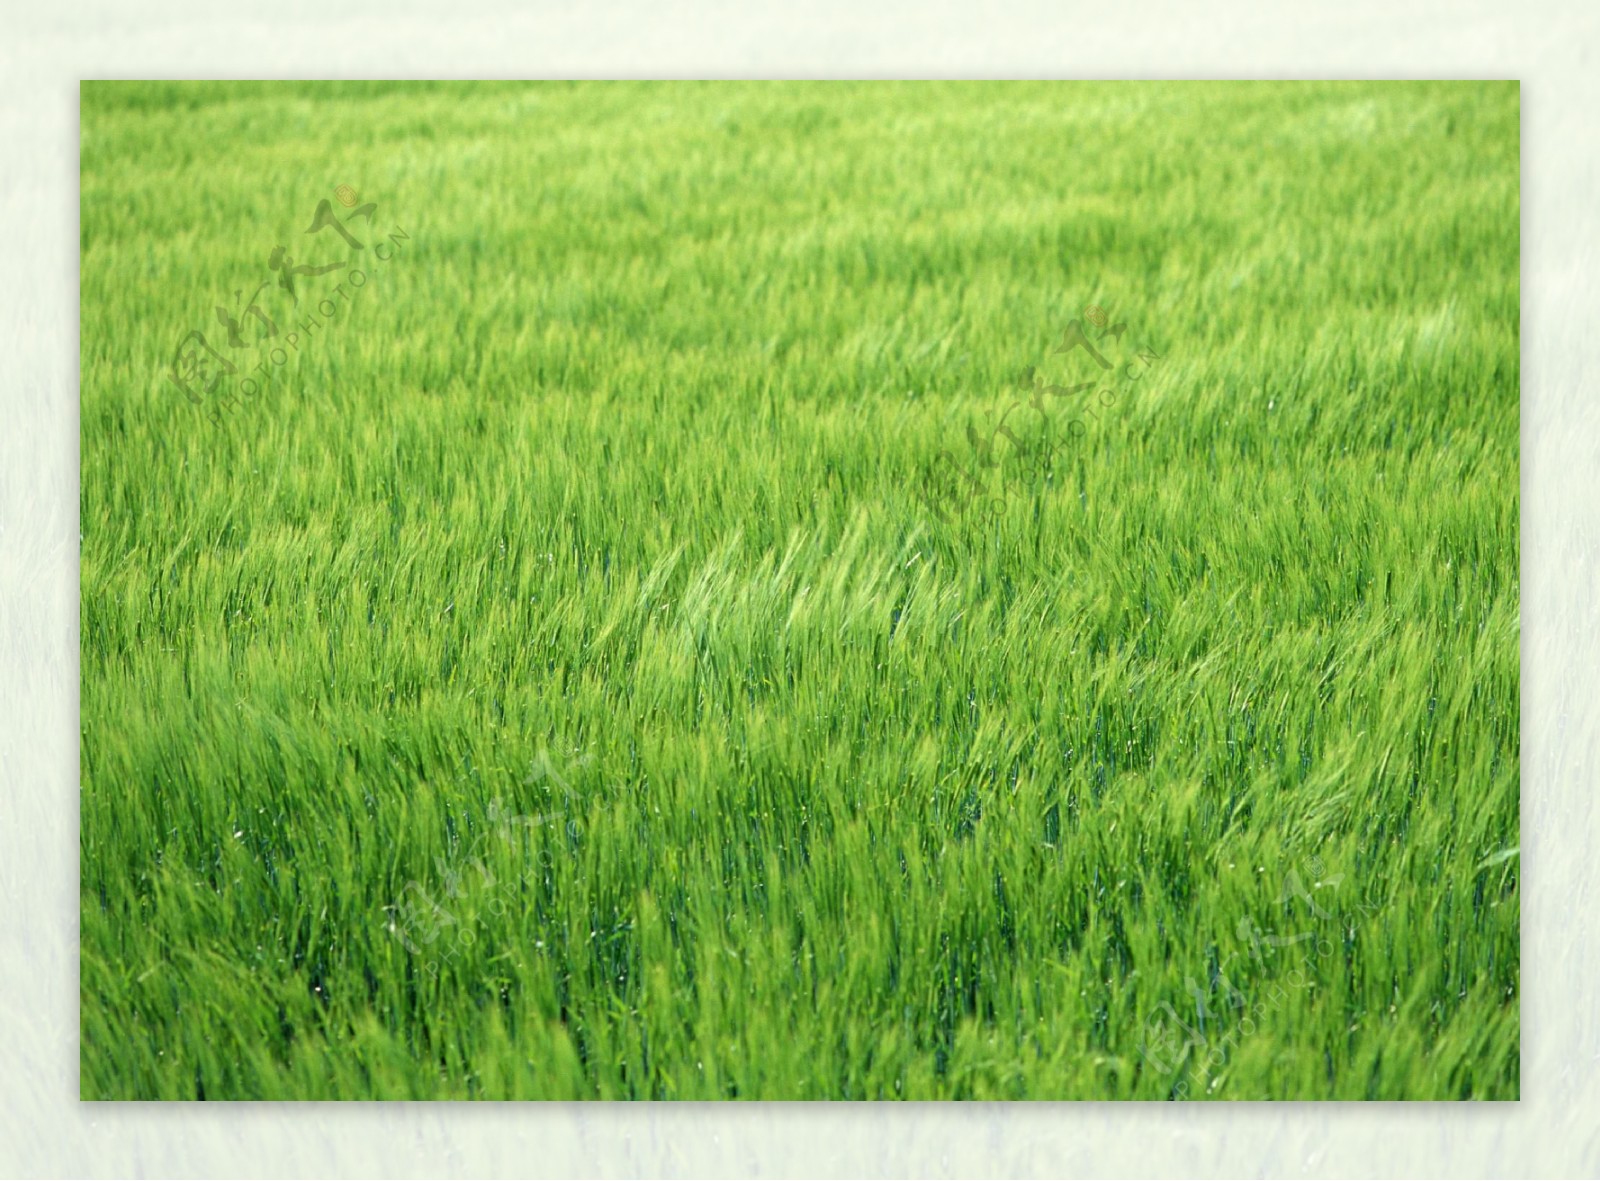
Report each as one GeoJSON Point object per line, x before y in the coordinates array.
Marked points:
{"type": "Point", "coordinates": [1550, 45]}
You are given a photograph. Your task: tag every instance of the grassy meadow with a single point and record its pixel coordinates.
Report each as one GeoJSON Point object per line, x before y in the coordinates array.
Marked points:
{"type": "Point", "coordinates": [799, 591]}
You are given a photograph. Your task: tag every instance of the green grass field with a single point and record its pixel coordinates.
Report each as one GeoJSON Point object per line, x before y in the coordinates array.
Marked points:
{"type": "Point", "coordinates": [675, 627]}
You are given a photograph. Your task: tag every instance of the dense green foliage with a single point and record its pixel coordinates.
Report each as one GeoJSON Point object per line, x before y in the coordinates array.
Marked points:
{"type": "Point", "coordinates": [575, 671]}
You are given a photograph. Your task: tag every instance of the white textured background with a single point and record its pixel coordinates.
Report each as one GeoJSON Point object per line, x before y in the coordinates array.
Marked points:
{"type": "Point", "coordinates": [1551, 46]}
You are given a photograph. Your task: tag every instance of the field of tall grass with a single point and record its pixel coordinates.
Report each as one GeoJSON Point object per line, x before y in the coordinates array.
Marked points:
{"type": "Point", "coordinates": [799, 591]}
